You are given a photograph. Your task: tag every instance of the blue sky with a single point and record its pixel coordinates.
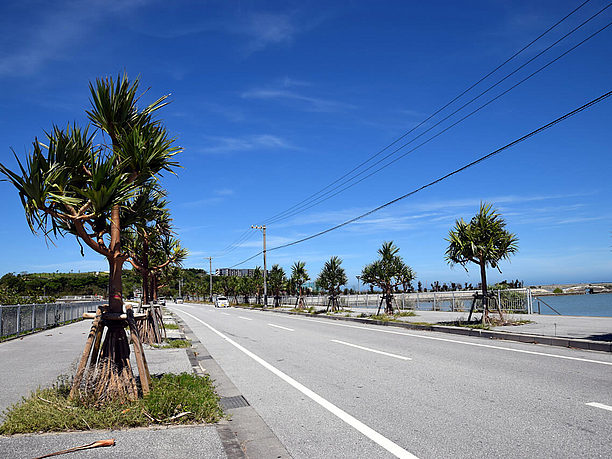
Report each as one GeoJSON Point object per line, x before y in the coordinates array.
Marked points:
{"type": "Point", "coordinates": [272, 101]}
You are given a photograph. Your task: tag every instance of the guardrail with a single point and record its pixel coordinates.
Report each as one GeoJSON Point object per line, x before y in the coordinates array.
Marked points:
{"type": "Point", "coordinates": [16, 319]}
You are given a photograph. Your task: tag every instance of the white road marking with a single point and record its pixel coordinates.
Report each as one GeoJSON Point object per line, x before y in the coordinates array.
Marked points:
{"type": "Point", "coordinates": [447, 340]}
{"type": "Point", "coordinates": [600, 405]}
{"type": "Point", "coordinates": [245, 318]}
{"type": "Point", "coordinates": [371, 350]}
{"type": "Point", "coordinates": [226, 314]}
{"type": "Point", "coordinates": [279, 326]}
{"type": "Point", "coordinates": [387, 444]}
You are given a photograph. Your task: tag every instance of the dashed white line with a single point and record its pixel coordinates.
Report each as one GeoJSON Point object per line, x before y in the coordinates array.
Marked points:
{"type": "Point", "coordinates": [226, 314]}
{"type": "Point", "coordinates": [245, 318]}
{"type": "Point", "coordinates": [401, 357]}
{"type": "Point", "coordinates": [384, 442]}
{"type": "Point", "coordinates": [447, 340]}
{"type": "Point", "coordinates": [600, 405]}
{"type": "Point", "coordinates": [280, 326]}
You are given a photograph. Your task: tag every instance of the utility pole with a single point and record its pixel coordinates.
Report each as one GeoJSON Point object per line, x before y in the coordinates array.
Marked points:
{"type": "Point", "coordinates": [180, 282]}
{"type": "Point", "coordinates": [263, 228]}
{"type": "Point", "coordinates": [210, 275]}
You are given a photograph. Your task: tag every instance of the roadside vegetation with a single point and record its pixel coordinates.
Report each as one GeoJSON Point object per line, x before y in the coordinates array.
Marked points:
{"type": "Point", "coordinates": [173, 399]}
{"type": "Point", "coordinates": [174, 344]}
{"type": "Point", "coordinates": [485, 242]}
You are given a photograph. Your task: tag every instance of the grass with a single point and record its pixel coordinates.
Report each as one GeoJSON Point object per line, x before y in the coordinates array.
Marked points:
{"type": "Point", "coordinates": [405, 314]}
{"type": "Point", "coordinates": [383, 318]}
{"type": "Point", "coordinates": [486, 326]}
{"type": "Point", "coordinates": [171, 326]}
{"type": "Point", "coordinates": [387, 317]}
{"type": "Point", "coordinates": [174, 344]}
{"type": "Point", "coordinates": [173, 399]}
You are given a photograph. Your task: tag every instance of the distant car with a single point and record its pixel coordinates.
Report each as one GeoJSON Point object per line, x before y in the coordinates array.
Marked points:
{"type": "Point", "coordinates": [178, 300]}
{"type": "Point", "coordinates": [162, 301]}
{"type": "Point", "coordinates": [221, 302]}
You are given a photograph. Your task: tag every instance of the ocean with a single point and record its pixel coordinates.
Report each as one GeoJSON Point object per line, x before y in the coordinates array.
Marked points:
{"type": "Point", "coordinates": [599, 304]}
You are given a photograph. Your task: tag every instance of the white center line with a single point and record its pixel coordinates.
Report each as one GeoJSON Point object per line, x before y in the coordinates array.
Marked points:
{"type": "Point", "coordinates": [387, 444]}
{"type": "Point", "coordinates": [600, 405]}
{"type": "Point", "coordinates": [245, 318]}
{"type": "Point", "coordinates": [279, 326]}
{"type": "Point", "coordinates": [225, 314]}
{"type": "Point", "coordinates": [371, 350]}
{"type": "Point", "coordinates": [447, 340]}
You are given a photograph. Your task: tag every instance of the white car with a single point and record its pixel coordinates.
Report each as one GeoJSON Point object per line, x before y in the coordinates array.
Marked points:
{"type": "Point", "coordinates": [221, 302]}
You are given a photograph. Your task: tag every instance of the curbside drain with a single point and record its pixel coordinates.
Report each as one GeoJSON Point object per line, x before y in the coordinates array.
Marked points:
{"type": "Point", "coordinates": [233, 402]}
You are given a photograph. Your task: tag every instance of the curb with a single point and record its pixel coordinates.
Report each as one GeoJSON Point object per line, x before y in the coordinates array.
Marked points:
{"type": "Point", "coordinates": [586, 344]}
{"type": "Point", "coordinates": [245, 434]}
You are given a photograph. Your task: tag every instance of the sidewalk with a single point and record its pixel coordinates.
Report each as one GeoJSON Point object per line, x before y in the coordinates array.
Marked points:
{"type": "Point", "coordinates": [38, 359]}
{"type": "Point", "coordinates": [577, 327]}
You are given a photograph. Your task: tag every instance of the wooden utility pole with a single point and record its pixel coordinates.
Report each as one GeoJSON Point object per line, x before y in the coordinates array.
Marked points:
{"type": "Point", "coordinates": [263, 228]}
{"type": "Point", "coordinates": [210, 275]}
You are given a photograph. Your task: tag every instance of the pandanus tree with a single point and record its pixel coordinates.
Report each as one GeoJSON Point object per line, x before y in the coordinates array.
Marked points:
{"type": "Point", "coordinates": [299, 276]}
{"type": "Point", "coordinates": [68, 184]}
{"type": "Point", "coordinates": [150, 220]}
{"type": "Point", "coordinates": [483, 241]}
{"type": "Point", "coordinates": [331, 278]}
{"type": "Point", "coordinates": [388, 272]}
{"type": "Point", "coordinates": [166, 258]}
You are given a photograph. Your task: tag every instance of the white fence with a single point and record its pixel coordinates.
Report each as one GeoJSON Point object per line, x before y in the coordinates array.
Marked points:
{"type": "Point", "coordinates": [511, 300]}
{"type": "Point", "coordinates": [22, 318]}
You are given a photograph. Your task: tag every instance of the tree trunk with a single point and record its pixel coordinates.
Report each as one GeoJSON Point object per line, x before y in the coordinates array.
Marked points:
{"type": "Point", "coordinates": [115, 261]}
{"type": "Point", "coordinates": [389, 300]}
{"type": "Point", "coordinates": [154, 287]}
{"type": "Point", "coordinates": [485, 299]}
{"type": "Point", "coordinates": [146, 297]}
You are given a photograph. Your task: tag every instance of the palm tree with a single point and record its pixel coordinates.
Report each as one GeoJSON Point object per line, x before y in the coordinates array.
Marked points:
{"type": "Point", "coordinates": [299, 276]}
{"type": "Point", "coordinates": [72, 186]}
{"type": "Point", "coordinates": [277, 281]}
{"type": "Point", "coordinates": [331, 278]}
{"type": "Point", "coordinates": [483, 241]}
{"type": "Point", "coordinates": [258, 283]}
{"type": "Point", "coordinates": [387, 273]}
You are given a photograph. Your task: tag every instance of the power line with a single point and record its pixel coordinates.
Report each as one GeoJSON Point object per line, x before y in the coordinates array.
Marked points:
{"type": "Point", "coordinates": [330, 195]}
{"type": "Point", "coordinates": [246, 236]}
{"type": "Point", "coordinates": [279, 216]}
{"type": "Point", "coordinates": [444, 177]}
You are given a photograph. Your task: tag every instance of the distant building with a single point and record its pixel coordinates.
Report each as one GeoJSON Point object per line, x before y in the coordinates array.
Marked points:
{"type": "Point", "coordinates": [235, 272]}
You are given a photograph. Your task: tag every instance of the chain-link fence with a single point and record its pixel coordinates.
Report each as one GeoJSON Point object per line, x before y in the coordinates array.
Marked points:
{"type": "Point", "coordinates": [22, 318]}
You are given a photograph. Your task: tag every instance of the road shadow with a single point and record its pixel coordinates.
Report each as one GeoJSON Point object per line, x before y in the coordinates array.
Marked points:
{"type": "Point", "coordinates": [600, 337]}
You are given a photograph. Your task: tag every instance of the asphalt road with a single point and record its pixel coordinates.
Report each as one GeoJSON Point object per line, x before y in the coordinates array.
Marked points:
{"type": "Point", "coordinates": [339, 389]}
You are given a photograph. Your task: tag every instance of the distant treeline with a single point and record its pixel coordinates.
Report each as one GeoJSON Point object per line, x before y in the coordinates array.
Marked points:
{"type": "Point", "coordinates": [55, 284]}
{"type": "Point", "coordinates": [38, 287]}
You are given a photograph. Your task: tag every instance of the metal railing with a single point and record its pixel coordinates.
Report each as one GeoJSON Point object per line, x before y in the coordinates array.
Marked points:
{"type": "Point", "coordinates": [511, 300]}
{"type": "Point", "coordinates": [16, 319]}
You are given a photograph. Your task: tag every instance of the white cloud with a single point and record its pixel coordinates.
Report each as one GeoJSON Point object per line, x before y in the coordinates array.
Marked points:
{"type": "Point", "coordinates": [265, 29]}
{"type": "Point", "coordinates": [49, 34]}
{"type": "Point", "coordinates": [307, 102]}
{"type": "Point", "coordinates": [246, 143]}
